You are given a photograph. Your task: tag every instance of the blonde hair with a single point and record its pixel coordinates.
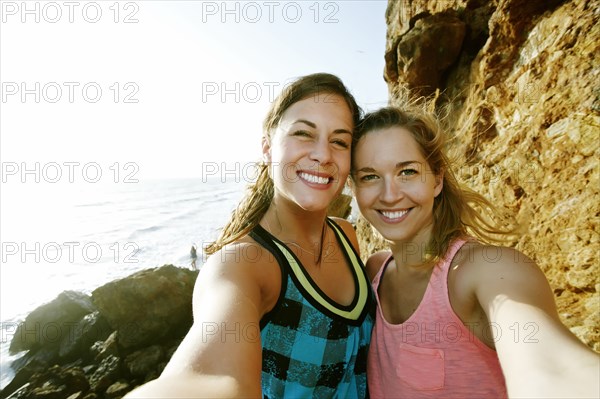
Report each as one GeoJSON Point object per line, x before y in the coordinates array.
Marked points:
{"type": "Point", "coordinates": [457, 210]}
{"type": "Point", "coordinates": [259, 195]}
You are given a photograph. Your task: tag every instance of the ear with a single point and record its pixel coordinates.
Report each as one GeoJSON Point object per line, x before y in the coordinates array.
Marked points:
{"type": "Point", "coordinates": [266, 149]}
{"type": "Point", "coordinates": [439, 183]}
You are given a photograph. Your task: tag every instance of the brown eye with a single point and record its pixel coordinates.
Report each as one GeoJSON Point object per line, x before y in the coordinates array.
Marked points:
{"type": "Point", "coordinates": [301, 133]}
{"type": "Point", "coordinates": [341, 143]}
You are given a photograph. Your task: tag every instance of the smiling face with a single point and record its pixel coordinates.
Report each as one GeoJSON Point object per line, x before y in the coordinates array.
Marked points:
{"type": "Point", "coordinates": [309, 151]}
{"type": "Point", "coordinates": [394, 185]}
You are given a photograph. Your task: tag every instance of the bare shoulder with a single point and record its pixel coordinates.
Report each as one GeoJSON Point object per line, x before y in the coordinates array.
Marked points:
{"type": "Point", "coordinates": [245, 266]}
{"type": "Point", "coordinates": [375, 262]}
{"type": "Point", "coordinates": [489, 260]}
{"type": "Point", "coordinates": [348, 230]}
{"type": "Point", "coordinates": [345, 225]}
{"type": "Point", "coordinates": [496, 273]}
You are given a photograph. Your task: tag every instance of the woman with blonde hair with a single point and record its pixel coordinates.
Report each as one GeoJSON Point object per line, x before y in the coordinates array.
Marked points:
{"type": "Point", "coordinates": [282, 306]}
{"type": "Point", "coordinates": [457, 317]}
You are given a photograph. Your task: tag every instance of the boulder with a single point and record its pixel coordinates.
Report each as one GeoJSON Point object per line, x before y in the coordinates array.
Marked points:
{"type": "Point", "coordinates": [54, 383]}
{"type": "Point", "coordinates": [108, 372]}
{"type": "Point", "coordinates": [144, 361]}
{"type": "Point", "coordinates": [51, 322]}
{"type": "Point", "coordinates": [100, 350]}
{"type": "Point", "coordinates": [148, 305]}
{"type": "Point", "coordinates": [93, 327]}
{"type": "Point", "coordinates": [118, 389]}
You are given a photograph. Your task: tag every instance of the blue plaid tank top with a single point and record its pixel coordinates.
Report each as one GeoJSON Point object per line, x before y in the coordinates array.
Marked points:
{"type": "Point", "coordinates": [313, 347]}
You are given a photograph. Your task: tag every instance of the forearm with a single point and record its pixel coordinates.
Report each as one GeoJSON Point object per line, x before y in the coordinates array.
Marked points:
{"type": "Point", "coordinates": [194, 386]}
{"type": "Point", "coordinates": [571, 381]}
{"type": "Point", "coordinates": [547, 361]}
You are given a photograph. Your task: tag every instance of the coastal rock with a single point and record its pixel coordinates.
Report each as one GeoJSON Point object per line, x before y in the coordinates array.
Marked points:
{"type": "Point", "coordinates": [51, 322]}
{"type": "Point", "coordinates": [106, 374]}
{"type": "Point", "coordinates": [524, 114]}
{"type": "Point", "coordinates": [37, 359]}
{"type": "Point", "coordinates": [91, 328]}
{"type": "Point", "coordinates": [91, 361]}
{"type": "Point", "coordinates": [100, 350]}
{"type": "Point", "coordinates": [56, 383]}
{"type": "Point", "coordinates": [144, 361]}
{"type": "Point", "coordinates": [118, 389]}
{"type": "Point", "coordinates": [148, 305]}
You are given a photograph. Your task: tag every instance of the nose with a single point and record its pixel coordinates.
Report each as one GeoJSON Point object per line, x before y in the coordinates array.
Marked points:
{"type": "Point", "coordinates": [321, 152]}
{"type": "Point", "coordinates": [392, 191]}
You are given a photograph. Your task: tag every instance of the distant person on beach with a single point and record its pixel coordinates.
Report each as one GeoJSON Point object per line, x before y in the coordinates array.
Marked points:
{"type": "Point", "coordinates": [193, 257]}
{"type": "Point", "coordinates": [456, 318]}
{"type": "Point", "coordinates": [282, 307]}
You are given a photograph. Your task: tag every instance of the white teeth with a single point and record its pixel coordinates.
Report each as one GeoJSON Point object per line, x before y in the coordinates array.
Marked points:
{"type": "Point", "coordinates": [313, 178]}
{"type": "Point", "coordinates": [394, 215]}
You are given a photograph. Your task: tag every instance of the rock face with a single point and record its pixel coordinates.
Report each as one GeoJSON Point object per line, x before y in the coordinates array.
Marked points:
{"type": "Point", "coordinates": [166, 293]}
{"type": "Point", "coordinates": [105, 345]}
{"type": "Point", "coordinates": [524, 89]}
{"type": "Point", "coordinates": [52, 322]}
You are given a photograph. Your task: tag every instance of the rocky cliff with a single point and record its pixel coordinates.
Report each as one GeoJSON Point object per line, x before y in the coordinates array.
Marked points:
{"type": "Point", "coordinates": [522, 78]}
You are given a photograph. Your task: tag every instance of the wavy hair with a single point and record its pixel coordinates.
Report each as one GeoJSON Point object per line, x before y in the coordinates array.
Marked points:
{"type": "Point", "coordinates": [457, 210]}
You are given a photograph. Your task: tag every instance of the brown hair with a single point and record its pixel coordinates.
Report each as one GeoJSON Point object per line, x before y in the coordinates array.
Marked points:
{"type": "Point", "coordinates": [457, 210]}
{"type": "Point", "coordinates": [260, 194]}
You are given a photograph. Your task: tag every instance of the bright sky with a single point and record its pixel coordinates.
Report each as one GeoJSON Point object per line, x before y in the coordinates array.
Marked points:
{"type": "Point", "coordinates": [166, 88]}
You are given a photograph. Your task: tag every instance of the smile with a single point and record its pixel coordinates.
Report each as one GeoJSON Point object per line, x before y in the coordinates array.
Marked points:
{"type": "Point", "coordinates": [314, 179]}
{"type": "Point", "coordinates": [394, 216]}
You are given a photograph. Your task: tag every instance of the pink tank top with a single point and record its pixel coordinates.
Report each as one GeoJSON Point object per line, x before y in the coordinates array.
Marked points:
{"type": "Point", "coordinates": [432, 354]}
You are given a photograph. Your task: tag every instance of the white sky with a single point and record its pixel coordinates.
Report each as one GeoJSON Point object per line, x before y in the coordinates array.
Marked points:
{"type": "Point", "coordinates": [175, 61]}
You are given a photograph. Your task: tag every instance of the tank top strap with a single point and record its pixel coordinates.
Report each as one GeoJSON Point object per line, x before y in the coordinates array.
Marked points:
{"type": "Point", "coordinates": [377, 279]}
{"type": "Point", "coordinates": [453, 248]}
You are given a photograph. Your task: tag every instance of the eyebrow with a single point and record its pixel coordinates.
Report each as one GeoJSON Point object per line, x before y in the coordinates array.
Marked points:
{"type": "Point", "coordinates": [399, 165]}
{"type": "Point", "coordinates": [314, 126]}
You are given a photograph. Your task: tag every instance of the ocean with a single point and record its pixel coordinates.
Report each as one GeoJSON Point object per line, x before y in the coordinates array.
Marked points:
{"type": "Point", "coordinates": [79, 236]}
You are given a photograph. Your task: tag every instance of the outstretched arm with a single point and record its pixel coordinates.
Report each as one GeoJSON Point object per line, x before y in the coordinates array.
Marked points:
{"type": "Point", "coordinates": [539, 356]}
{"type": "Point", "coordinates": [221, 354]}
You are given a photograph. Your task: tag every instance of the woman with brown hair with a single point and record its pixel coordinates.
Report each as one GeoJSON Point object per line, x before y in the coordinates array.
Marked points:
{"type": "Point", "coordinates": [282, 306]}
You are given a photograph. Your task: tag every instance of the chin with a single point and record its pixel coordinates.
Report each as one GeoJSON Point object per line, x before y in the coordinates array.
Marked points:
{"type": "Point", "coordinates": [392, 235]}
{"type": "Point", "coordinates": [313, 204]}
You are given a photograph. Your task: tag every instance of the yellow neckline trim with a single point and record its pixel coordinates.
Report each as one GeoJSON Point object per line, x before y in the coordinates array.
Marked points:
{"type": "Point", "coordinates": [305, 281]}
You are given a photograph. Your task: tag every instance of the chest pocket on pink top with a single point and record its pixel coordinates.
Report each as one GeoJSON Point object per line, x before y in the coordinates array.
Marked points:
{"type": "Point", "coordinates": [420, 368]}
